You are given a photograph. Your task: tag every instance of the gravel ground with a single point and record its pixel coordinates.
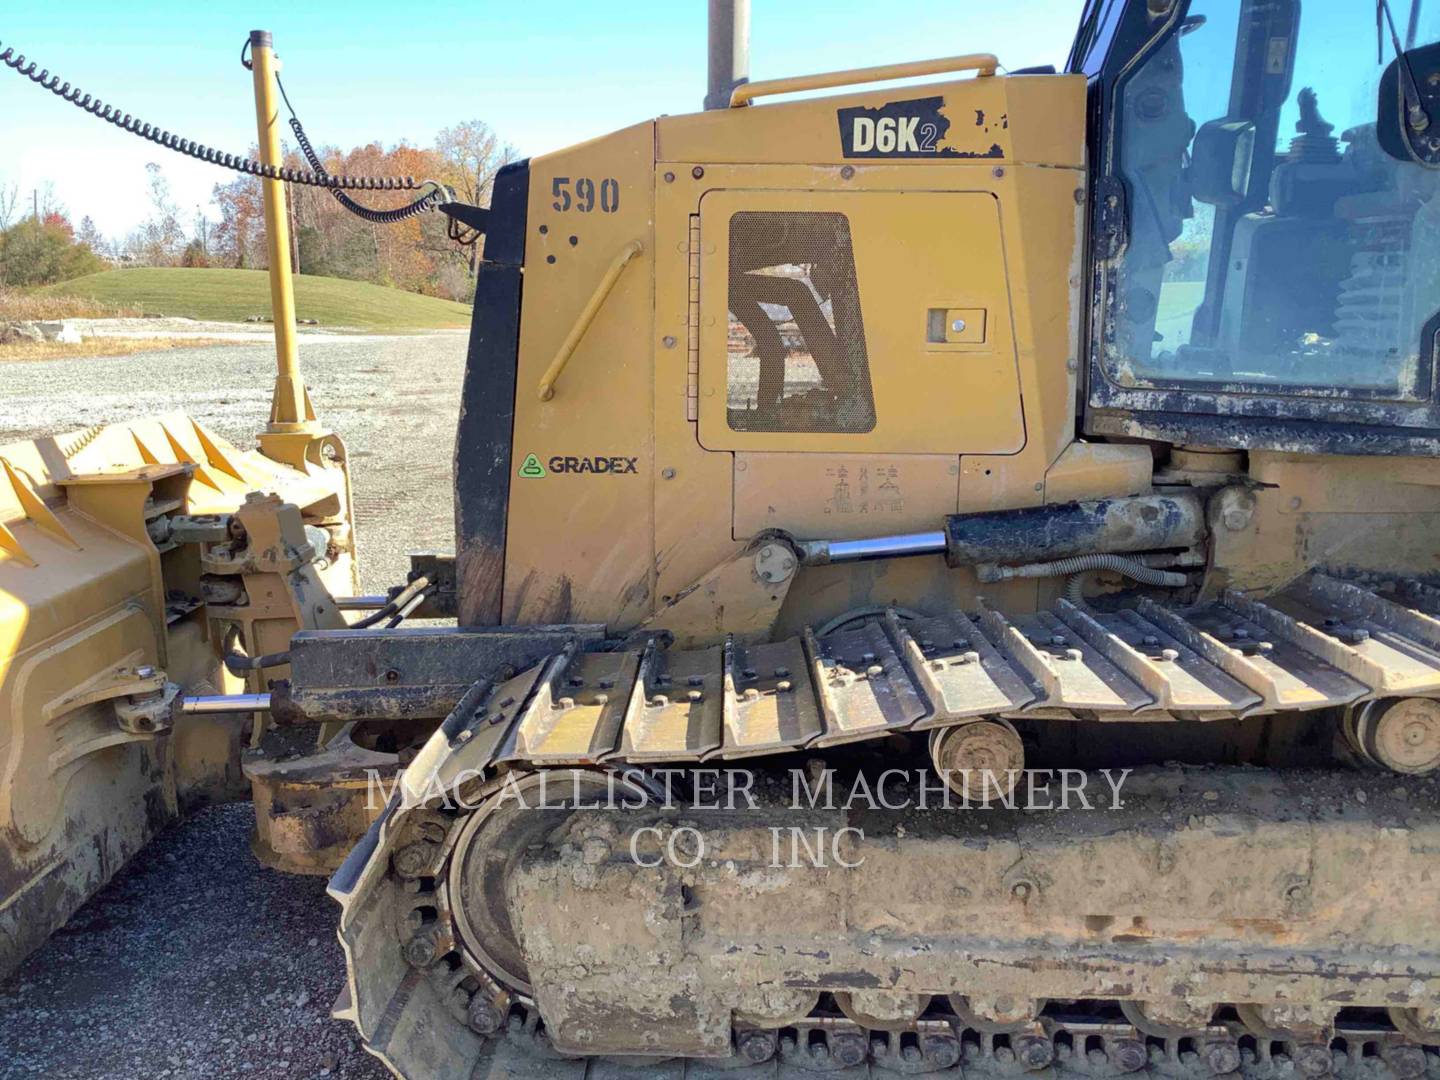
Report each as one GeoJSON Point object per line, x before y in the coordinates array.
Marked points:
{"type": "Point", "coordinates": [394, 399]}
{"type": "Point", "coordinates": [195, 961]}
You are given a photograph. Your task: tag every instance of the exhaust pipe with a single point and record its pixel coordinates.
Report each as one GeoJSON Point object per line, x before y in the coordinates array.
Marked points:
{"type": "Point", "coordinates": [729, 50]}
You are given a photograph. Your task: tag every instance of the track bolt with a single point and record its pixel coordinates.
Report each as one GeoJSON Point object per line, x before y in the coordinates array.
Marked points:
{"type": "Point", "coordinates": [1034, 1051]}
{"type": "Point", "coordinates": [941, 1051]}
{"type": "Point", "coordinates": [910, 1054]}
{"type": "Point", "coordinates": [1406, 1062]}
{"type": "Point", "coordinates": [874, 670]}
{"type": "Point", "coordinates": [1127, 1055]}
{"type": "Point", "coordinates": [849, 1048]}
{"type": "Point", "coordinates": [483, 1017]}
{"type": "Point", "coordinates": [420, 950]}
{"type": "Point", "coordinates": [757, 1047]}
{"type": "Point", "coordinates": [412, 860]}
{"type": "Point", "coordinates": [1021, 890]}
{"type": "Point", "coordinates": [1222, 1057]}
{"type": "Point", "coordinates": [1313, 1059]}
{"type": "Point", "coordinates": [819, 1052]}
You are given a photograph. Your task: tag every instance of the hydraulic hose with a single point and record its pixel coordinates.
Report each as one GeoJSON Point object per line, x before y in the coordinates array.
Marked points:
{"type": "Point", "coordinates": [240, 664]}
{"type": "Point", "coordinates": [1077, 566]}
{"type": "Point", "coordinates": [401, 600]}
{"type": "Point", "coordinates": [133, 124]}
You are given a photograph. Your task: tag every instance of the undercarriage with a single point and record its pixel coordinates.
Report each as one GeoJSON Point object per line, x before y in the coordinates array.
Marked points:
{"type": "Point", "coordinates": [926, 845]}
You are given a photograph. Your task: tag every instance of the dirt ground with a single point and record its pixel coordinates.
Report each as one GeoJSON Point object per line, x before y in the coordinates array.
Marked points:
{"type": "Point", "coordinates": [195, 961]}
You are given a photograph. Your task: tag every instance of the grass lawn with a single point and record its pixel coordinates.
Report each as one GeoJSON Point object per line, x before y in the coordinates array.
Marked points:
{"type": "Point", "coordinates": [234, 295]}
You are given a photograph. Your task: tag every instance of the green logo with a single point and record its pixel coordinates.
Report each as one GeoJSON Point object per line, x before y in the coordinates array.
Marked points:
{"type": "Point", "coordinates": [532, 467]}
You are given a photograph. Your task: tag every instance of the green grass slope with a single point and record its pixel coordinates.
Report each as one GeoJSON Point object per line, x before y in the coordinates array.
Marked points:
{"type": "Point", "coordinates": [234, 295]}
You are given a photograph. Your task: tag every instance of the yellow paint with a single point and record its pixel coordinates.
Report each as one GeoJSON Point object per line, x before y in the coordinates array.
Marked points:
{"type": "Point", "coordinates": [994, 240]}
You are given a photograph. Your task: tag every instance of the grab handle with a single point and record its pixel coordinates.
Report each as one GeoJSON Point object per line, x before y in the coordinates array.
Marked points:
{"type": "Point", "coordinates": [984, 63]}
{"type": "Point", "coordinates": [546, 389]}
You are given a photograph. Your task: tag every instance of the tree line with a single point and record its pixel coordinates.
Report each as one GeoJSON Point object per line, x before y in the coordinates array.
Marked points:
{"type": "Point", "coordinates": [326, 239]}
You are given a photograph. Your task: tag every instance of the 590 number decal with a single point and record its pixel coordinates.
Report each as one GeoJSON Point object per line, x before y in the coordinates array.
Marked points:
{"type": "Point", "coordinates": [580, 194]}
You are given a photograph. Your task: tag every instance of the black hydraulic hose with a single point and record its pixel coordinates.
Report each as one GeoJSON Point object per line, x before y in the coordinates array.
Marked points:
{"type": "Point", "coordinates": [240, 664]}
{"type": "Point", "coordinates": [414, 603]}
{"type": "Point", "coordinates": [436, 196]}
{"type": "Point", "coordinates": [133, 124]}
{"type": "Point", "coordinates": [410, 592]}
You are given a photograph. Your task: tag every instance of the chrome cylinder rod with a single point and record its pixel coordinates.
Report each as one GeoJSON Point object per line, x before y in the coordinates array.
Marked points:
{"type": "Point", "coordinates": [820, 552]}
{"type": "Point", "coordinates": [205, 704]}
{"type": "Point", "coordinates": [361, 603]}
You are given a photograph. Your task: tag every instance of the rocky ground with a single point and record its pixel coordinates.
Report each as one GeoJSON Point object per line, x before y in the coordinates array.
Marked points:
{"type": "Point", "coordinates": [195, 961]}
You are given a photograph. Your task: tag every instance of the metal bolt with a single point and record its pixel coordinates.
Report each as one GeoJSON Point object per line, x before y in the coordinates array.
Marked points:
{"type": "Point", "coordinates": [483, 1017]}
{"type": "Point", "coordinates": [997, 173]}
{"type": "Point", "coordinates": [1127, 1055]}
{"type": "Point", "coordinates": [849, 1048]}
{"type": "Point", "coordinates": [756, 1047]}
{"type": "Point", "coordinates": [1034, 1051]}
{"type": "Point", "coordinates": [669, 178]}
{"type": "Point", "coordinates": [1222, 1057]}
{"type": "Point", "coordinates": [941, 1051]}
{"type": "Point", "coordinates": [875, 670]}
{"type": "Point", "coordinates": [1169, 654]}
{"type": "Point", "coordinates": [1021, 890]}
{"type": "Point", "coordinates": [697, 172]}
{"type": "Point", "coordinates": [958, 326]}
{"type": "Point", "coordinates": [145, 671]}
{"type": "Point", "coordinates": [1360, 636]}
{"type": "Point", "coordinates": [412, 860]}
{"type": "Point", "coordinates": [1406, 1062]}
{"type": "Point", "coordinates": [695, 695]}
{"type": "Point", "coordinates": [847, 172]}
{"type": "Point", "coordinates": [1313, 1059]}
{"type": "Point", "coordinates": [420, 950]}
{"type": "Point", "coordinates": [668, 341]}
{"type": "Point", "coordinates": [783, 686]}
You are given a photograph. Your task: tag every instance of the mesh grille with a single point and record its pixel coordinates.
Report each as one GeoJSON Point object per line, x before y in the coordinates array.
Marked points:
{"type": "Point", "coordinates": [796, 341]}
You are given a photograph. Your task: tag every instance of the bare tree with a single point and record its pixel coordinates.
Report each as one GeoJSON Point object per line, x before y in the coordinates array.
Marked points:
{"type": "Point", "coordinates": [9, 203]}
{"type": "Point", "coordinates": [159, 240]}
{"type": "Point", "coordinates": [473, 154]}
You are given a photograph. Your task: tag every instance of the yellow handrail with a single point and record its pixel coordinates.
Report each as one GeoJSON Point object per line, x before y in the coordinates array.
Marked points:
{"type": "Point", "coordinates": [587, 316]}
{"type": "Point", "coordinates": [984, 63]}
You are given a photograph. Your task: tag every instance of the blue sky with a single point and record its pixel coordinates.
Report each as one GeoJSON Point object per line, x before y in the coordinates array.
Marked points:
{"type": "Point", "coordinates": [542, 74]}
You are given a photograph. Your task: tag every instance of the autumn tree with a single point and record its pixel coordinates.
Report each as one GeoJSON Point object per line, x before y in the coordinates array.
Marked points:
{"type": "Point", "coordinates": [472, 155]}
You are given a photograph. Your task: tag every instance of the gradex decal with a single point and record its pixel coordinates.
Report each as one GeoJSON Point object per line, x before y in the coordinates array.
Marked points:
{"type": "Point", "coordinates": [564, 463]}
{"type": "Point", "coordinates": [902, 129]}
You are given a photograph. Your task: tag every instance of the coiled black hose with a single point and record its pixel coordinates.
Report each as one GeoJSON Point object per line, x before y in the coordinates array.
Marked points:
{"type": "Point", "coordinates": [423, 205]}
{"type": "Point", "coordinates": [133, 124]}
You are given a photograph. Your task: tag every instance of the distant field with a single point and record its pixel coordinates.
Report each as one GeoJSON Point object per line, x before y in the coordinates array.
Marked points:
{"type": "Point", "coordinates": [1178, 301]}
{"type": "Point", "coordinates": [234, 295]}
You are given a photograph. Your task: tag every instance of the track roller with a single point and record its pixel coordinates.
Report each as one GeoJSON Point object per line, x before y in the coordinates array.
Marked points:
{"type": "Point", "coordinates": [981, 761]}
{"type": "Point", "coordinates": [1400, 734]}
{"type": "Point", "coordinates": [1168, 1018]}
{"type": "Point", "coordinates": [882, 1010]}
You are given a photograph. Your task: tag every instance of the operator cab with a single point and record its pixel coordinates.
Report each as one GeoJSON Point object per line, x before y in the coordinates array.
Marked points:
{"type": "Point", "coordinates": [1261, 262]}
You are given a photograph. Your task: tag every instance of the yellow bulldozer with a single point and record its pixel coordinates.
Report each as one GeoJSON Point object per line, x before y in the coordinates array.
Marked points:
{"type": "Point", "coordinates": [946, 578]}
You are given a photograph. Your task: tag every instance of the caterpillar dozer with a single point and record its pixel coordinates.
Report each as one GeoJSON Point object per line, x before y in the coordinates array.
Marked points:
{"type": "Point", "coordinates": [831, 476]}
